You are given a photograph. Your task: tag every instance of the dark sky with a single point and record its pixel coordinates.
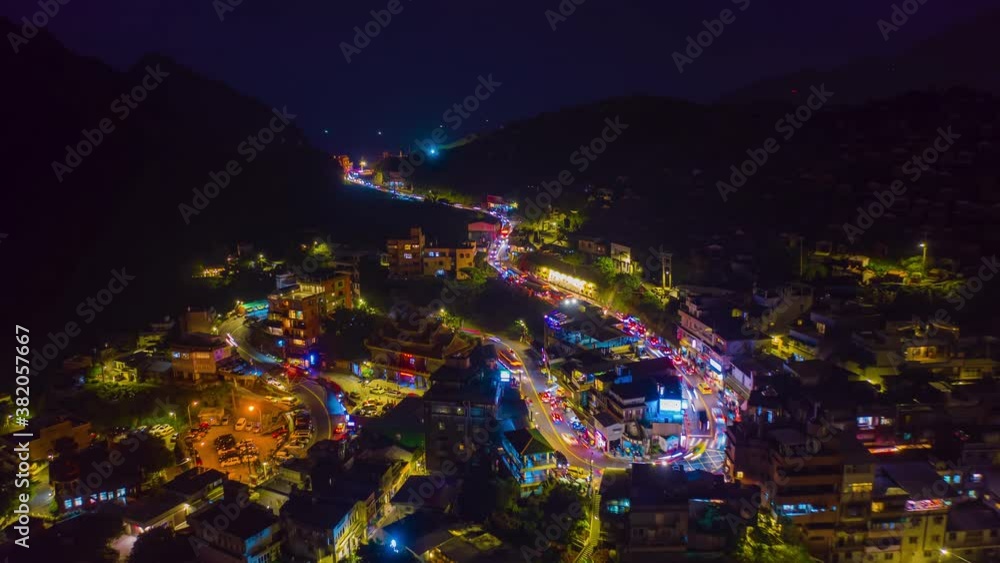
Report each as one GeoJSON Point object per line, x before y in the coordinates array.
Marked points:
{"type": "Point", "coordinates": [429, 56]}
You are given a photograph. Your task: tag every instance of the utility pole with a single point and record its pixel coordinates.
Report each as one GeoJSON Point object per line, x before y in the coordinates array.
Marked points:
{"type": "Point", "coordinates": [802, 243]}
{"type": "Point", "coordinates": [666, 270]}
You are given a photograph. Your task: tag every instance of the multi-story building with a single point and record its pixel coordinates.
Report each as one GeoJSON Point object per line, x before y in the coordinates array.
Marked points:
{"type": "Point", "coordinates": [413, 257]}
{"type": "Point", "coordinates": [460, 410]}
{"type": "Point", "coordinates": [441, 261]}
{"type": "Point", "coordinates": [335, 288]}
{"type": "Point", "coordinates": [529, 458]}
{"type": "Point", "coordinates": [251, 534]}
{"type": "Point", "coordinates": [413, 353]}
{"type": "Point", "coordinates": [672, 512]}
{"type": "Point", "coordinates": [909, 512]}
{"type": "Point", "coordinates": [973, 532]}
{"type": "Point", "coordinates": [195, 356]}
{"type": "Point", "coordinates": [294, 318]}
{"type": "Point", "coordinates": [406, 254]}
{"type": "Point", "coordinates": [807, 471]}
{"type": "Point", "coordinates": [714, 337]}
{"type": "Point", "coordinates": [319, 529]}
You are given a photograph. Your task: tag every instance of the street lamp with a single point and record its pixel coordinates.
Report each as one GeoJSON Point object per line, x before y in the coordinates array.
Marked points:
{"type": "Point", "coordinates": [260, 414]}
{"type": "Point", "coordinates": [188, 406]}
{"type": "Point", "coordinates": [946, 553]}
{"type": "Point", "coordinates": [923, 262]}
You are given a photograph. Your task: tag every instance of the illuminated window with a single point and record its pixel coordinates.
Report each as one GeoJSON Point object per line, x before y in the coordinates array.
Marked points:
{"type": "Point", "coordinates": [739, 474]}
{"type": "Point", "coordinates": [408, 256]}
{"type": "Point", "coordinates": [859, 487]}
{"type": "Point", "coordinates": [878, 506]}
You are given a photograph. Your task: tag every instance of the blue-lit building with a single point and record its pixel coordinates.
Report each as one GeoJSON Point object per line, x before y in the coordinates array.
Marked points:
{"type": "Point", "coordinates": [529, 458]}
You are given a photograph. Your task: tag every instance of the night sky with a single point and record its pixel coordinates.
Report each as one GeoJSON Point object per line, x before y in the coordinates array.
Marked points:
{"type": "Point", "coordinates": [429, 56]}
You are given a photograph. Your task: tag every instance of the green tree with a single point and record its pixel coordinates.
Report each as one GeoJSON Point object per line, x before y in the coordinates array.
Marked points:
{"type": "Point", "coordinates": [606, 268]}
{"type": "Point", "coordinates": [769, 540]}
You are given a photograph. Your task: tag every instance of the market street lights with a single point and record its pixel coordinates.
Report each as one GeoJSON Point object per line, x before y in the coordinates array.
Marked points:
{"type": "Point", "coordinates": [923, 262]}
{"type": "Point", "coordinates": [189, 405]}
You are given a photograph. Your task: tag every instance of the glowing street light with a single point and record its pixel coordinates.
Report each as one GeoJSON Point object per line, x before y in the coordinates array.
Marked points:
{"type": "Point", "coordinates": [260, 414]}
{"type": "Point", "coordinates": [945, 552]}
{"type": "Point", "coordinates": [923, 245]}
{"type": "Point", "coordinates": [189, 405]}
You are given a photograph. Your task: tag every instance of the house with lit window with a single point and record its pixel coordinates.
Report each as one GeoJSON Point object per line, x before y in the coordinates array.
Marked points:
{"type": "Point", "coordinates": [78, 481]}
{"type": "Point", "coordinates": [414, 256]}
{"type": "Point", "coordinates": [336, 288]}
{"type": "Point", "coordinates": [405, 255]}
{"type": "Point", "coordinates": [412, 352]}
{"type": "Point", "coordinates": [194, 357]}
{"type": "Point", "coordinates": [294, 321]}
{"type": "Point", "coordinates": [529, 458]}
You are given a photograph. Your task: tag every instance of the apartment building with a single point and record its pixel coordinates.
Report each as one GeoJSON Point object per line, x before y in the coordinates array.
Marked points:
{"type": "Point", "coordinates": [460, 411]}
{"type": "Point", "coordinates": [294, 319]}
{"type": "Point", "coordinates": [318, 529]}
{"type": "Point", "coordinates": [335, 288]}
{"type": "Point", "coordinates": [414, 256]}
{"type": "Point", "coordinates": [674, 513]}
{"type": "Point", "coordinates": [529, 458]}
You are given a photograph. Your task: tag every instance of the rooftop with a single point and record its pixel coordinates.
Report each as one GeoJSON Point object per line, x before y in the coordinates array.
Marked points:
{"type": "Point", "coordinates": [194, 480]}
{"type": "Point", "coordinates": [250, 521]}
{"type": "Point", "coordinates": [316, 512]}
{"type": "Point", "coordinates": [528, 442]}
{"type": "Point", "coordinates": [972, 516]}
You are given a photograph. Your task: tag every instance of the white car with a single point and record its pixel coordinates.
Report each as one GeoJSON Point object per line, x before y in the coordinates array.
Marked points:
{"type": "Point", "coordinates": [241, 424]}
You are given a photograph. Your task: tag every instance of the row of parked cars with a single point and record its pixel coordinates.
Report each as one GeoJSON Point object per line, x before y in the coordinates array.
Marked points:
{"type": "Point", "coordinates": [233, 452]}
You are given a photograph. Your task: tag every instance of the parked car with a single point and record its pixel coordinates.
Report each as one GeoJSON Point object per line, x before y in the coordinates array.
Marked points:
{"type": "Point", "coordinates": [241, 424]}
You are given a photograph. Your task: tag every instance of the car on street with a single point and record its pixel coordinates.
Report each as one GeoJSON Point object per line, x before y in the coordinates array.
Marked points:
{"type": "Point", "coordinates": [556, 417]}
{"type": "Point", "coordinates": [279, 433]}
{"type": "Point", "coordinates": [705, 388]}
{"type": "Point", "coordinates": [241, 424]}
{"type": "Point", "coordinates": [720, 418]}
